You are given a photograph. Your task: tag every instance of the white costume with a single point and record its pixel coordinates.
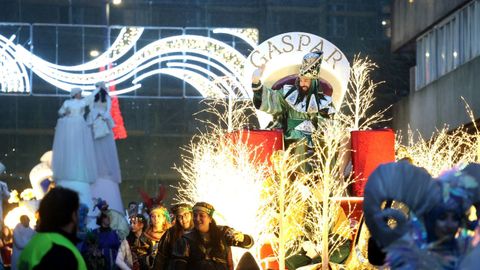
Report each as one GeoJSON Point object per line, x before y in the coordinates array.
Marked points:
{"type": "Point", "coordinates": [106, 156]}
{"type": "Point", "coordinates": [73, 160]}
{"type": "Point", "coordinates": [21, 237]}
{"type": "Point", "coordinates": [124, 256]}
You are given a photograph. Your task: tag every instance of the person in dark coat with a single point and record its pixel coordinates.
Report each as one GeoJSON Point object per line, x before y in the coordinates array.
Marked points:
{"type": "Point", "coordinates": [183, 224]}
{"type": "Point", "coordinates": [208, 245]}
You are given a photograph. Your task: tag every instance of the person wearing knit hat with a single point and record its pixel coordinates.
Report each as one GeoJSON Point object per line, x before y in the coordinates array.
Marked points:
{"type": "Point", "coordinates": [208, 245]}
{"type": "Point", "coordinates": [159, 224]}
{"type": "Point", "coordinates": [183, 223]}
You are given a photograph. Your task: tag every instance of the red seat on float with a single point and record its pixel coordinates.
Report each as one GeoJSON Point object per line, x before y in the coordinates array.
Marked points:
{"type": "Point", "coordinates": [370, 149]}
{"type": "Point", "coordinates": [262, 143]}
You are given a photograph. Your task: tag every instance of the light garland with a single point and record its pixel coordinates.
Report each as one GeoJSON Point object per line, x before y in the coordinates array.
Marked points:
{"type": "Point", "coordinates": [212, 50]}
{"type": "Point", "coordinates": [13, 77]}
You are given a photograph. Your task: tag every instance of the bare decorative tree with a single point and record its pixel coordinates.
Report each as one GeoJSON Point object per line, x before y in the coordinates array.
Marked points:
{"type": "Point", "coordinates": [443, 150]}
{"type": "Point", "coordinates": [326, 220]}
{"type": "Point", "coordinates": [283, 207]}
{"type": "Point", "coordinates": [360, 96]}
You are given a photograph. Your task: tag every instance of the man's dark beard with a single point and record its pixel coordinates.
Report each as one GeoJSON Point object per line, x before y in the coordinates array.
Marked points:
{"type": "Point", "coordinates": [301, 95]}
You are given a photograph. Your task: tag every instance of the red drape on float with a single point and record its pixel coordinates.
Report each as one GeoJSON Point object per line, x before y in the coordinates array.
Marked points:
{"type": "Point", "coordinates": [262, 142]}
{"type": "Point", "coordinates": [119, 131]}
{"type": "Point", "coordinates": [370, 149]}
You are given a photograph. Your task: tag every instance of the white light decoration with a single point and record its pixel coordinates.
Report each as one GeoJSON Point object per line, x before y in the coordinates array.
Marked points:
{"type": "Point", "coordinates": [13, 75]}
{"type": "Point", "coordinates": [66, 78]}
{"type": "Point", "coordinates": [125, 41]}
{"type": "Point", "coordinates": [182, 52]}
{"type": "Point", "coordinates": [205, 71]}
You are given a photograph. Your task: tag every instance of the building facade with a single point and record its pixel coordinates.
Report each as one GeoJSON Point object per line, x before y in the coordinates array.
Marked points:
{"type": "Point", "coordinates": [445, 37]}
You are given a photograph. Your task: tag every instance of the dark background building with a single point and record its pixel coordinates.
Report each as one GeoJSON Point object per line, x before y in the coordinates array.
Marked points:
{"type": "Point", "coordinates": [445, 38]}
{"type": "Point", "coordinates": [159, 126]}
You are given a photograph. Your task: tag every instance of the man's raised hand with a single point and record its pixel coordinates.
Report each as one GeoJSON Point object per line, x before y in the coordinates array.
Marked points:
{"type": "Point", "coordinates": [257, 74]}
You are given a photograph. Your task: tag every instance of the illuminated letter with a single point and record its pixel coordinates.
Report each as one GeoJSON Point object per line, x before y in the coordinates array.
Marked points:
{"type": "Point", "coordinates": [262, 58]}
{"type": "Point", "coordinates": [335, 60]}
{"type": "Point", "coordinates": [300, 43]}
{"type": "Point", "coordinates": [318, 47]}
{"type": "Point", "coordinates": [272, 47]}
{"type": "Point", "coordinates": [289, 44]}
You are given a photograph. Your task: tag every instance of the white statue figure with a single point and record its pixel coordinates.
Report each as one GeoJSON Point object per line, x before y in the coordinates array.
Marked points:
{"type": "Point", "coordinates": [108, 179]}
{"type": "Point", "coordinates": [73, 160]}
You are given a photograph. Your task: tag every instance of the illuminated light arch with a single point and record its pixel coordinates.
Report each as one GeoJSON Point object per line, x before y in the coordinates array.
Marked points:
{"type": "Point", "coordinates": [207, 47]}
{"type": "Point", "coordinates": [124, 42]}
{"type": "Point", "coordinates": [197, 81]}
{"type": "Point", "coordinates": [170, 58]}
{"type": "Point", "coordinates": [208, 88]}
{"type": "Point", "coordinates": [14, 76]}
{"type": "Point", "coordinates": [214, 77]}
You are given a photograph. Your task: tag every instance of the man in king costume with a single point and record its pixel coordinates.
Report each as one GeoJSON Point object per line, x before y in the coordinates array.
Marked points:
{"type": "Point", "coordinates": [297, 108]}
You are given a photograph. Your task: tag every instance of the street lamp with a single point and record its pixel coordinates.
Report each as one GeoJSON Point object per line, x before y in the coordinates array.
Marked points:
{"type": "Point", "coordinates": [107, 9]}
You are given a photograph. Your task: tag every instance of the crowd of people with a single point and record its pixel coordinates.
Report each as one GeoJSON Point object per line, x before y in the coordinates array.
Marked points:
{"type": "Point", "coordinates": [182, 237]}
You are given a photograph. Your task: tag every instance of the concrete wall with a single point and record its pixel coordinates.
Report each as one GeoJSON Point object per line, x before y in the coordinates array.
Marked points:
{"type": "Point", "coordinates": [440, 102]}
{"type": "Point", "coordinates": [411, 19]}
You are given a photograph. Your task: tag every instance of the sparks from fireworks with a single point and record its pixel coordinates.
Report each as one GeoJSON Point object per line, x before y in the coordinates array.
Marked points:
{"type": "Point", "coordinates": [219, 168]}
